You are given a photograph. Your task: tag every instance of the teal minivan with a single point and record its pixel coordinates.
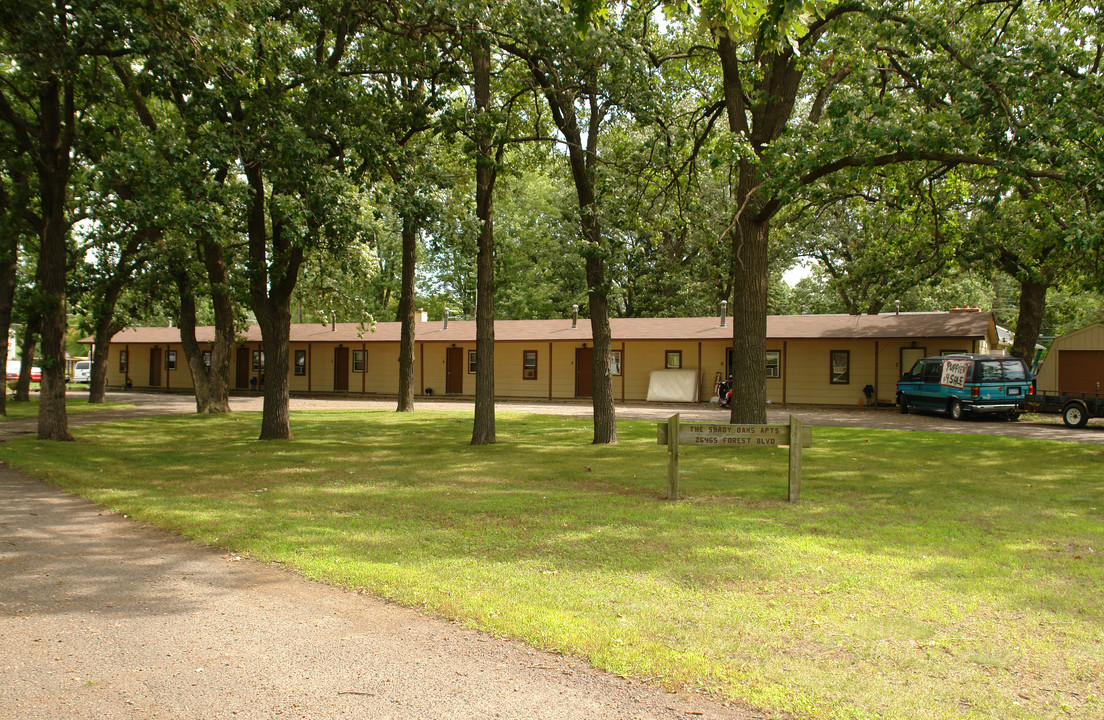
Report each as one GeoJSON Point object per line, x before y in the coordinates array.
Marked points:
{"type": "Point", "coordinates": [964, 384]}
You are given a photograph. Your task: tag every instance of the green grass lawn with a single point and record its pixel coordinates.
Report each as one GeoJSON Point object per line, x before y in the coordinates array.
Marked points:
{"type": "Point", "coordinates": [923, 575]}
{"type": "Point", "coordinates": [73, 404]}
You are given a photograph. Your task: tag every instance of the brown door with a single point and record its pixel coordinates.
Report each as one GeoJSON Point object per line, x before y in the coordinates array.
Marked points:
{"type": "Point", "coordinates": [454, 370]}
{"type": "Point", "coordinates": [341, 369]}
{"type": "Point", "coordinates": [1081, 371]}
{"type": "Point", "coordinates": [243, 368]}
{"type": "Point", "coordinates": [155, 367]}
{"type": "Point", "coordinates": [584, 372]}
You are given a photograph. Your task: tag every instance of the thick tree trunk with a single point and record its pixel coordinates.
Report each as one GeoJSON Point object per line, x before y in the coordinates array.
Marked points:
{"type": "Point", "coordinates": [222, 349]}
{"type": "Point", "coordinates": [406, 315]}
{"type": "Point", "coordinates": [105, 329]}
{"type": "Point", "coordinates": [211, 384]}
{"type": "Point", "coordinates": [101, 343]}
{"type": "Point", "coordinates": [483, 427]}
{"type": "Point", "coordinates": [53, 422]}
{"type": "Point", "coordinates": [749, 321]}
{"type": "Point", "coordinates": [186, 321]}
{"type": "Point", "coordinates": [8, 266]}
{"type": "Point", "coordinates": [605, 416]}
{"type": "Point", "coordinates": [27, 348]}
{"type": "Point", "coordinates": [758, 124]}
{"type": "Point", "coordinates": [273, 272]}
{"type": "Point", "coordinates": [57, 112]}
{"type": "Point", "coordinates": [1030, 320]}
{"type": "Point", "coordinates": [275, 323]}
{"type": "Point", "coordinates": [582, 159]}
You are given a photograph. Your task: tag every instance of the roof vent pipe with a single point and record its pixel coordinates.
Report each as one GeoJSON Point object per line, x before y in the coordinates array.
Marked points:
{"type": "Point", "coordinates": [898, 304]}
{"type": "Point", "coordinates": [333, 321]}
{"type": "Point", "coordinates": [574, 316]}
{"type": "Point", "coordinates": [445, 327]}
{"type": "Point", "coordinates": [724, 313]}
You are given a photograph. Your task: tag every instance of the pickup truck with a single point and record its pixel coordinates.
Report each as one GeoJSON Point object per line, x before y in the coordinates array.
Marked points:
{"type": "Point", "coordinates": [1075, 408]}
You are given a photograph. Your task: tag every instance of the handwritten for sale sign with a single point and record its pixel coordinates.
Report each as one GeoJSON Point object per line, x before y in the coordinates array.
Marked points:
{"type": "Point", "coordinates": [954, 373]}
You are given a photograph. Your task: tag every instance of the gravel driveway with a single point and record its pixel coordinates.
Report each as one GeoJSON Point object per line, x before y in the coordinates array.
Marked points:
{"type": "Point", "coordinates": [106, 619]}
{"type": "Point", "coordinates": [1042, 427]}
{"type": "Point", "coordinates": [103, 618]}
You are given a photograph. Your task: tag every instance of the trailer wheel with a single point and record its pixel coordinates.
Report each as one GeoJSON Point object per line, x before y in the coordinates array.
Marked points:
{"type": "Point", "coordinates": [1075, 415]}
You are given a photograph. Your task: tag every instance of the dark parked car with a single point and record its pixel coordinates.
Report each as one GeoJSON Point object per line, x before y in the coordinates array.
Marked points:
{"type": "Point", "coordinates": [965, 384]}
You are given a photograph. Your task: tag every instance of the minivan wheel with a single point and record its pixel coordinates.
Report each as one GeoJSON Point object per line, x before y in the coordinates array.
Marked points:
{"type": "Point", "coordinates": [956, 410]}
{"type": "Point", "coordinates": [904, 405]}
{"type": "Point", "coordinates": [1074, 416]}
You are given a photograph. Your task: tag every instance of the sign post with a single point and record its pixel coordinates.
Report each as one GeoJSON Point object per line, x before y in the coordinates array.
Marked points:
{"type": "Point", "coordinates": [673, 434]}
{"type": "Point", "coordinates": [673, 457]}
{"type": "Point", "coordinates": [795, 460]}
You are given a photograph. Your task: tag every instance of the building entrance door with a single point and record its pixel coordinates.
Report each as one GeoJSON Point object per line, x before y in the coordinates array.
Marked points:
{"type": "Point", "coordinates": [454, 371]}
{"type": "Point", "coordinates": [584, 372]}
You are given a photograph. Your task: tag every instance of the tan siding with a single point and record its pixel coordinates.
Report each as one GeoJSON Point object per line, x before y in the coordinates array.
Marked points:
{"type": "Point", "coordinates": [642, 357]}
{"type": "Point", "coordinates": [776, 385]}
{"type": "Point", "coordinates": [509, 380]}
{"type": "Point", "coordinates": [181, 378]}
{"type": "Point", "coordinates": [322, 357]}
{"type": "Point", "coordinates": [805, 364]}
{"type": "Point", "coordinates": [809, 367]}
{"type": "Point", "coordinates": [433, 367]}
{"type": "Point", "coordinates": [298, 383]}
{"type": "Point", "coordinates": [1087, 338]}
{"type": "Point", "coordinates": [138, 365]}
{"type": "Point", "coordinates": [115, 378]}
{"type": "Point", "coordinates": [1046, 379]}
{"type": "Point", "coordinates": [713, 365]}
{"type": "Point", "coordinates": [562, 366]}
{"type": "Point", "coordinates": [382, 364]}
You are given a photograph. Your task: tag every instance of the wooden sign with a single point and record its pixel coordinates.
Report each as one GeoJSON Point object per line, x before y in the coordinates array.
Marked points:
{"type": "Point", "coordinates": [674, 434]}
{"type": "Point", "coordinates": [734, 435]}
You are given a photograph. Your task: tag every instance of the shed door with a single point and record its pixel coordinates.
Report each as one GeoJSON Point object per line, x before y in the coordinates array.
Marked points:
{"type": "Point", "coordinates": [454, 370]}
{"type": "Point", "coordinates": [1081, 371]}
{"type": "Point", "coordinates": [584, 372]}
{"type": "Point", "coordinates": [243, 368]}
{"type": "Point", "coordinates": [341, 369]}
{"type": "Point", "coordinates": [155, 367]}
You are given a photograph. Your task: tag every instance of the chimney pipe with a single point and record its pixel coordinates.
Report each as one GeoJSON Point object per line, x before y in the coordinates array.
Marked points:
{"type": "Point", "coordinates": [574, 316]}
{"type": "Point", "coordinates": [898, 304]}
{"type": "Point", "coordinates": [724, 313]}
{"type": "Point", "coordinates": [333, 321]}
{"type": "Point", "coordinates": [445, 327]}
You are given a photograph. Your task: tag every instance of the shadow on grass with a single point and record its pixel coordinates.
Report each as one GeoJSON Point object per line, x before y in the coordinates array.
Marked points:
{"type": "Point", "coordinates": [886, 512]}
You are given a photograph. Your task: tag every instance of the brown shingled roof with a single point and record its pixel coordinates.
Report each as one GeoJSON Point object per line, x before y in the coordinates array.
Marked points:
{"type": "Point", "coordinates": [779, 327]}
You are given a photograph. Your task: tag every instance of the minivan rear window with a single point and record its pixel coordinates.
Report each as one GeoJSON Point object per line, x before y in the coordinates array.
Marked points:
{"type": "Point", "coordinates": [1001, 371]}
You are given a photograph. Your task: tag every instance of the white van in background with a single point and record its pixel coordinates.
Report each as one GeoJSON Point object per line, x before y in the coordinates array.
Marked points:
{"type": "Point", "coordinates": [82, 371]}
